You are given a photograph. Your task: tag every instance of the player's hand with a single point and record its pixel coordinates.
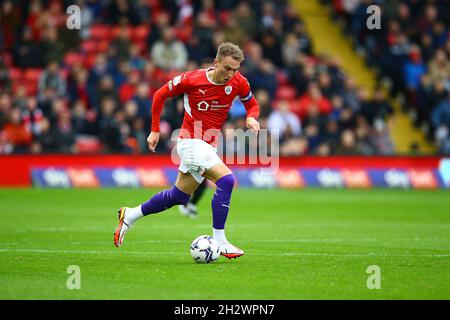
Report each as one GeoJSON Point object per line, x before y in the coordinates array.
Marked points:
{"type": "Point", "coordinates": [152, 141]}
{"type": "Point", "coordinates": [252, 124]}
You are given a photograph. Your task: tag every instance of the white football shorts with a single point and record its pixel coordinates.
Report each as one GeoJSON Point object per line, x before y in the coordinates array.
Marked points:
{"type": "Point", "coordinates": [196, 156]}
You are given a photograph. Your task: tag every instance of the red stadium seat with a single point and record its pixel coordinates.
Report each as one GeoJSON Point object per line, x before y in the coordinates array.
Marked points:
{"type": "Point", "coordinates": [7, 59]}
{"type": "Point", "coordinates": [73, 58]}
{"type": "Point", "coordinates": [100, 32]}
{"type": "Point", "coordinates": [102, 46]}
{"type": "Point", "coordinates": [90, 60]}
{"type": "Point", "coordinates": [15, 74]}
{"type": "Point", "coordinates": [153, 3]}
{"type": "Point", "coordinates": [294, 106]}
{"type": "Point", "coordinates": [88, 144]}
{"type": "Point", "coordinates": [116, 30]}
{"type": "Point", "coordinates": [183, 34]}
{"type": "Point", "coordinates": [31, 88]}
{"type": "Point", "coordinates": [89, 46]}
{"type": "Point", "coordinates": [140, 33]}
{"type": "Point", "coordinates": [64, 73]}
{"type": "Point", "coordinates": [32, 74]}
{"type": "Point", "coordinates": [282, 78]}
{"type": "Point", "coordinates": [286, 92]}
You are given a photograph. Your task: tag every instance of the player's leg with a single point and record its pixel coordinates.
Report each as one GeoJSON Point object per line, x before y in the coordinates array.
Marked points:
{"type": "Point", "coordinates": [190, 208]}
{"type": "Point", "coordinates": [222, 176]}
{"type": "Point", "coordinates": [180, 193]}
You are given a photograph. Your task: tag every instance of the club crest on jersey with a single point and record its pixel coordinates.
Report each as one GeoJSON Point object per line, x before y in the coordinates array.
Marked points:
{"type": "Point", "coordinates": [228, 89]}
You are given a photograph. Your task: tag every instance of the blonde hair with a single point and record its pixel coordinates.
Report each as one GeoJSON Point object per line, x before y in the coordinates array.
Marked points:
{"type": "Point", "coordinates": [228, 49]}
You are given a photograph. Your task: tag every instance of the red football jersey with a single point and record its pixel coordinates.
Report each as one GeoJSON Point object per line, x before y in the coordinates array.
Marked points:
{"type": "Point", "coordinates": [206, 103]}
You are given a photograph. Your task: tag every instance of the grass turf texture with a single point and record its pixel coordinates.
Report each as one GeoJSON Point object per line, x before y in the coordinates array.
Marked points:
{"type": "Point", "coordinates": [299, 244]}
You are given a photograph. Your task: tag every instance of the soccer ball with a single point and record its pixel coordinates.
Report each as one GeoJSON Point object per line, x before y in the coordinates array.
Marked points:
{"type": "Point", "coordinates": [205, 249]}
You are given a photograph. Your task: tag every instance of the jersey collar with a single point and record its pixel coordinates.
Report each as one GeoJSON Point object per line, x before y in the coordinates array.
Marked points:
{"type": "Point", "coordinates": [209, 79]}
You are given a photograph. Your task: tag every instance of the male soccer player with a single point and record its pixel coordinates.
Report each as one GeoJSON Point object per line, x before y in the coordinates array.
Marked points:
{"type": "Point", "coordinates": [208, 95]}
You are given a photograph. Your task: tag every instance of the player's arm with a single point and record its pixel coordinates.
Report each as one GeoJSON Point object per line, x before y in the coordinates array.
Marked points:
{"type": "Point", "coordinates": [173, 88]}
{"type": "Point", "coordinates": [251, 106]}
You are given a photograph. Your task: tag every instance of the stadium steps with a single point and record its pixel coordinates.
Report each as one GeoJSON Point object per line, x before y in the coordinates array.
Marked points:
{"type": "Point", "coordinates": [328, 39]}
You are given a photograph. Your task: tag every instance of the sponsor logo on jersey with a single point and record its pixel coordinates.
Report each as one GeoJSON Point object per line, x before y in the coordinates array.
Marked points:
{"type": "Point", "coordinates": [219, 106]}
{"type": "Point", "coordinates": [203, 106]}
{"type": "Point", "coordinates": [202, 91]}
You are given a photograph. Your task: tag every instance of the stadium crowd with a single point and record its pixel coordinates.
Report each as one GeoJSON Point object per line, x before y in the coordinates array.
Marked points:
{"type": "Point", "coordinates": [413, 50]}
{"type": "Point", "coordinates": [90, 90]}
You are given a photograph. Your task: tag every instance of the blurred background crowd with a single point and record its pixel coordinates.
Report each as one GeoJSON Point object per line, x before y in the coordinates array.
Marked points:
{"type": "Point", "coordinates": [90, 90]}
{"type": "Point", "coordinates": [412, 51]}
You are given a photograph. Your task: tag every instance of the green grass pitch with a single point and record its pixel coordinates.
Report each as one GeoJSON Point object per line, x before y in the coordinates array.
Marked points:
{"type": "Point", "coordinates": [299, 244]}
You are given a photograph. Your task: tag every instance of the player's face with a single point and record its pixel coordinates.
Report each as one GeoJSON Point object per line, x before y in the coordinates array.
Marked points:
{"type": "Point", "coordinates": [226, 68]}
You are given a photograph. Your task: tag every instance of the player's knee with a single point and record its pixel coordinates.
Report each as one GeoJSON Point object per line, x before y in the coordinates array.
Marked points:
{"type": "Point", "coordinates": [226, 182]}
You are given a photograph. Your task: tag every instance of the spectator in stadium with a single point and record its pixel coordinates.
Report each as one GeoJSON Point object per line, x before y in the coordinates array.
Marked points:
{"type": "Point", "coordinates": [290, 48]}
{"type": "Point", "coordinates": [77, 86]}
{"type": "Point", "coordinates": [5, 80]}
{"type": "Point", "coordinates": [32, 116]}
{"type": "Point", "coordinates": [264, 77]}
{"type": "Point", "coordinates": [51, 83]}
{"type": "Point", "coordinates": [284, 121]}
{"type": "Point", "coordinates": [16, 132]}
{"type": "Point", "coordinates": [143, 102]}
{"type": "Point", "coordinates": [245, 18]}
{"type": "Point", "coordinates": [169, 53]}
{"type": "Point", "coordinates": [265, 108]}
{"type": "Point", "coordinates": [233, 32]}
{"type": "Point", "coordinates": [381, 139]}
{"type": "Point", "coordinates": [25, 51]}
{"type": "Point", "coordinates": [51, 46]}
{"type": "Point", "coordinates": [313, 99]}
{"type": "Point", "coordinates": [136, 62]}
{"type": "Point", "coordinates": [5, 146]}
{"type": "Point", "coordinates": [272, 48]}
{"type": "Point", "coordinates": [98, 71]}
{"type": "Point", "coordinates": [377, 109]}
{"type": "Point", "coordinates": [441, 114]}
{"type": "Point", "coordinates": [128, 89]}
{"type": "Point", "coordinates": [105, 89]}
{"type": "Point", "coordinates": [439, 66]}
{"type": "Point", "coordinates": [63, 135]}
{"type": "Point", "coordinates": [350, 94]}
{"type": "Point", "coordinates": [122, 44]}
{"type": "Point", "coordinates": [347, 144]}
{"type": "Point", "coordinates": [414, 69]}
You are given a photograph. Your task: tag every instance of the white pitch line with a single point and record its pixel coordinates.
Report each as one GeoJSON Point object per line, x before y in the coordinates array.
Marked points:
{"type": "Point", "coordinates": [283, 254]}
{"type": "Point", "coordinates": [301, 240]}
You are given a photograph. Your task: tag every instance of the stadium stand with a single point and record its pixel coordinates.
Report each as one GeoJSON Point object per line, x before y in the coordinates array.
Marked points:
{"type": "Point", "coordinates": [412, 51]}
{"type": "Point", "coordinates": [90, 91]}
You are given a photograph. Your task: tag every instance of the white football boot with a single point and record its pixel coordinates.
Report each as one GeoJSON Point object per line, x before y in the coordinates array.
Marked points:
{"type": "Point", "coordinates": [229, 251]}
{"type": "Point", "coordinates": [189, 210]}
{"type": "Point", "coordinates": [122, 228]}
